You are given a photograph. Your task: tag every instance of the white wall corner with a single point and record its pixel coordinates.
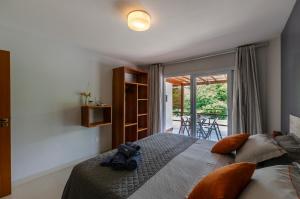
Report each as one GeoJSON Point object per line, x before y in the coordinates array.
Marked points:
{"type": "Point", "coordinates": [274, 85]}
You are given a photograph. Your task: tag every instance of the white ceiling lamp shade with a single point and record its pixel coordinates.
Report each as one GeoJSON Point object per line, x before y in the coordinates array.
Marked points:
{"type": "Point", "coordinates": [139, 20]}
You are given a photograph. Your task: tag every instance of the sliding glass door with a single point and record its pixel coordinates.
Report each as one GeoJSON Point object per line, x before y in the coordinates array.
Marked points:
{"type": "Point", "coordinates": [198, 105]}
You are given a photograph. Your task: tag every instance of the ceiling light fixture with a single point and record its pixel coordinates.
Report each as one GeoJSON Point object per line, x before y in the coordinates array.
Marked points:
{"type": "Point", "coordinates": [139, 20]}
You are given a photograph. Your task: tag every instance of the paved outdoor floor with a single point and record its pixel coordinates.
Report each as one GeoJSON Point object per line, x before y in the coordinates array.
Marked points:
{"type": "Point", "coordinates": [223, 129]}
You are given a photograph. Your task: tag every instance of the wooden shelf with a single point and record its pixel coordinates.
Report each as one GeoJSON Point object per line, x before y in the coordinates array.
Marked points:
{"type": "Point", "coordinates": [131, 83]}
{"type": "Point", "coordinates": [130, 102]}
{"type": "Point", "coordinates": [130, 124]}
{"type": "Point", "coordinates": [144, 114]}
{"type": "Point", "coordinates": [142, 134]}
{"type": "Point", "coordinates": [95, 116]}
{"type": "Point", "coordinates": [95, 124]}
{"type": "Point", "coordinates": [140, 84]}
{"type": "Point", "coordinates": [135, 83]}
{"type": "Point", "coordinates": [142, 129]}
{"type": "Point", "coordinates": [97, 106]}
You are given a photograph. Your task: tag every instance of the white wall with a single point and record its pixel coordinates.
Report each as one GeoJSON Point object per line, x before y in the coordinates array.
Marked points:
{"type": "Point", "coordinates": [274, 86]}
{"type": "Point", "coordinates": [218, 63]}
{"type": "Point", "coordinates": [169, 105]}
{"type": "Point", "coordinates": [46, 78]}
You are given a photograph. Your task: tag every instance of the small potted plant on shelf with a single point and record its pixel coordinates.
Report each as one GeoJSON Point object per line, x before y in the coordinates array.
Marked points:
{"type": "Point", "coordinates": [86, 95]}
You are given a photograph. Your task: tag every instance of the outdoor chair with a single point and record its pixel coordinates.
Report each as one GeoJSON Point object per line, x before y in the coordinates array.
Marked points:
{"type": "Point", "coordinates": [200, 133]}
{"type": "Point", "coordinates": [185, 125]}
{"type": "Point", "coordinates": [210, 127]}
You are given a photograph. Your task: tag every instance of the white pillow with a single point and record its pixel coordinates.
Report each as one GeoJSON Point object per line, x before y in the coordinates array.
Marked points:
{"type": "Point", "coordinates": [295, 125]}
{"type": "Point", "coordinates": [271, 182]}
{"type": "Point", "coordinates": [258, 148]}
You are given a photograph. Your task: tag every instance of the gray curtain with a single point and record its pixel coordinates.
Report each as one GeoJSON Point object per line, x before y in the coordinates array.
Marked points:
{"type": "Point", "coordinates": [246, 107]}
{"type": "Point", "coordinates": [156, 98]}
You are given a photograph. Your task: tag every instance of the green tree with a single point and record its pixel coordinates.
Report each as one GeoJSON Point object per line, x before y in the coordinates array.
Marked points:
{"type": "Point", "coordinates": [210, 99]}
{"type": "Point", "coordinates": [176, 98]}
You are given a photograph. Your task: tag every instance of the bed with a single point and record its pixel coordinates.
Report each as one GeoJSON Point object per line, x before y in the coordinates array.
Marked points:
{"type": "Point", "coordinates": [165, 158]}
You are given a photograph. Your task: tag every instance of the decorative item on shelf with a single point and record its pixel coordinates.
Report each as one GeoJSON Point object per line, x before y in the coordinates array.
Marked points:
{"type": "Point", "coordinates": [91, 102]}
{"type": "Point", "coordinates": [98, 102]}
{"type": "Point", "coordinates": [86, 95]}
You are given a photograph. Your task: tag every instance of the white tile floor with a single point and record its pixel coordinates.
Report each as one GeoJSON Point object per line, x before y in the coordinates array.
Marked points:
{"type": "Point", "coordinates": [47, 187]}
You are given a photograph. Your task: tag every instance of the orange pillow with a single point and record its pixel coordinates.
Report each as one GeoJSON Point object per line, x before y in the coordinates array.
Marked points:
{"type": "Point", "coordinates": [224, 183]}
{"type": "Point", "coordinates": [230, 143]}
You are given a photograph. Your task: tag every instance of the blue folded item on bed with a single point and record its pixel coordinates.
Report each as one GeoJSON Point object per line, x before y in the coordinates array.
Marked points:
{"type": "Point", "coordinates": [135, 146]}
{"type": "Point", "coordinates": [119, 161]}
{"type": "Point", "coordinates": [127, 150]}
{"type": "Point", "coordinates": [132, 163]}
{"type": "Point", "coordinates": [106, 162]}
{"type": "Point", "coordinates": [124, 159]}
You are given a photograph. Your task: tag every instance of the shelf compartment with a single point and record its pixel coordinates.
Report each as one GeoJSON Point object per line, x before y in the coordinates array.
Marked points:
{"type": "Point", "coordinates": [142, 78]}
{"type": "Point", "coordinates": [131, 134]}
{"type": "Point", "coordinates": [142, 134]}
{"type": "Point", "coordinates": [142, 122]}
{"type": "Point", "coordinates": [94, 116]}
{"type": "Point", "coordinates": [130, 103]}
{"type": "Point", "coordinates": [142, 92]}
{"type": "Point", "coordinates": [142, 107]}
{"type": "Point", "coordinates": [130, 78]}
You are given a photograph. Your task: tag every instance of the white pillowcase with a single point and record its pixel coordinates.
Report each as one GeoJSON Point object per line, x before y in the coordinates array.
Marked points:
{"type": "Point", "coordinates": [295, 125]}
{"type": "Point", "coordinates": [271, 182]}
{"type": "Point", "coordinates": [258, 148]}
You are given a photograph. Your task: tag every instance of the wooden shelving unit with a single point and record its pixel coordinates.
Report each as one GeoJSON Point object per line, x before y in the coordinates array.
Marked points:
{"type": "Point", "coordinates": [130, 101]}
{"type": "Point", "coordinates": [94, 116]}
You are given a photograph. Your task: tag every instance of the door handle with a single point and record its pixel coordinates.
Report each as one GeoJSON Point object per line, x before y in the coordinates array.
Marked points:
{"type": "Point", "coordinates": [4, 122]}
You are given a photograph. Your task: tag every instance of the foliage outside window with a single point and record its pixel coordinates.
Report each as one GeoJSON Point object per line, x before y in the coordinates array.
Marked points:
{"type": "Point", "coordinates": [210, 99]}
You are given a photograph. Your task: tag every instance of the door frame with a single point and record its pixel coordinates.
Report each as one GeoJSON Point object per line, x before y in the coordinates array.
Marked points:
{"type": "Point", "coordinates": [5, 129]}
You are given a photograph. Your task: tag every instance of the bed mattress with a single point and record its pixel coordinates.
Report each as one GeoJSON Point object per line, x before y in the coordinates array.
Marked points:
{"type": "Point", "coordinates": [163, 156]}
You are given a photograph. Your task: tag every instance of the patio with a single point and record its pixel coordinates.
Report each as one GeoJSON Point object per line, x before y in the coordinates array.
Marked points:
{"type": "Point", "coordinates": [213, 137]}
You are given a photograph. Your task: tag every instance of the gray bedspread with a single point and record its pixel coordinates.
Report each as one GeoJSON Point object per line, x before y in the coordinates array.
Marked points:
{"type": "Point", "coordinates": [89, 180]}
{"type": "Point", "coordinates": [181, 174]}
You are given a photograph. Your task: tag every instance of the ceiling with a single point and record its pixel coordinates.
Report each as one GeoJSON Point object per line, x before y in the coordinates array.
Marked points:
{"type": "Point", "coordinates": [180, 29]}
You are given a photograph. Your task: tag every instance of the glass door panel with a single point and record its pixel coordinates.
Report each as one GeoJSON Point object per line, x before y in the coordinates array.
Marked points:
{"type": "Point", "coordinates": [178, 105]}
{"type": "Point", "coordinates": [210, 106]}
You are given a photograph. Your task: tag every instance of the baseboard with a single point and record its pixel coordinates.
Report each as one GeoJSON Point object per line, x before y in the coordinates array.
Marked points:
{"type": "Point", "coordinates": [49, 171]}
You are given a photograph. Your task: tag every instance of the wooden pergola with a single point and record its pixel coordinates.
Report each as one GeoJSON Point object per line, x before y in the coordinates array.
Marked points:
{"type": "Point", "coordinates": [183, 81]}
